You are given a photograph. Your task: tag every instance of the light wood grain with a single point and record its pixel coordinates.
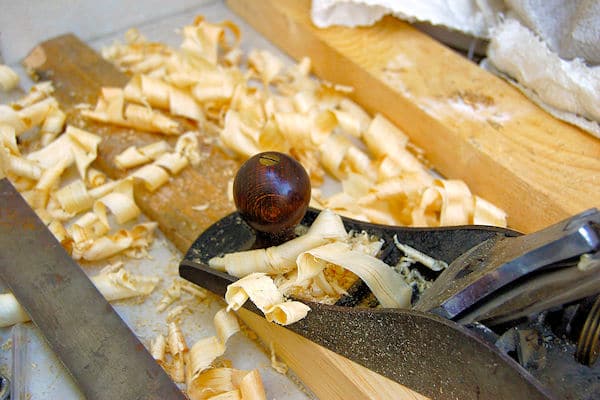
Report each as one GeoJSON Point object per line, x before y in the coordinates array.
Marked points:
{"type": "Point", "coordinates": [472, 125]}
{"type": "Point", "coordinates": [336, 377]}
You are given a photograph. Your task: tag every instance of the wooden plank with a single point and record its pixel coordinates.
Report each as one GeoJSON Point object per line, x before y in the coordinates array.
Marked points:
{"type": "Point", "coordinates": [78, 73]}
{"type": "Point", "coordinates": [472, 125]}
{"type": "Point", "coordinates": [339, 377]}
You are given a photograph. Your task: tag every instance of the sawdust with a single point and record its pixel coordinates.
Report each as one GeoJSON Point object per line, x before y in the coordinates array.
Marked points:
{"type": "Point", "coordinates": [7, 346]}
{"type": "Point", "coordinates": [467, 106]}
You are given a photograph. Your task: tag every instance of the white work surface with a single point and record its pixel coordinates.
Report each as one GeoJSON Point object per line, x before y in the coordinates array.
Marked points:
{"type": "Point", "coordinates": [45, 377]}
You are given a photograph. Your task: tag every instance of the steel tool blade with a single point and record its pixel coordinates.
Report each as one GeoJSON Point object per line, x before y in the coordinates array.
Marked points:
{"type": "Point", "coordinates": [483, 272]}
{"type": "Point", "coordinates": [88, 336]}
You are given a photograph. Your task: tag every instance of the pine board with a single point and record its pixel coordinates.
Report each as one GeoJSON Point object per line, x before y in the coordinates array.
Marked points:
{"type": "Point", "coordinates": [471, 124]}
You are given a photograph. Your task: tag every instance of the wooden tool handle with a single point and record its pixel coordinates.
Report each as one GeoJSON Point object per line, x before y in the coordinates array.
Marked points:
{"type": "Point", "coordinates": [271, 191]}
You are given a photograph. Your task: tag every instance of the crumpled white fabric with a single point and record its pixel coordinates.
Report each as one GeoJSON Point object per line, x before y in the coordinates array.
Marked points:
{"type": "Point", "coordinates": [570, 28]}
{"type": "Point", "coordinates": [569, 90]}
{"type": "Point", "coordinates": [470, 16]}
{"type": "Point", "coordinates": [548, 48]}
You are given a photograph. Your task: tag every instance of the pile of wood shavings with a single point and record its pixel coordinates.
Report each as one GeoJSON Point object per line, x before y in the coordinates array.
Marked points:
{"type": "Point", "coordinates": [95, 218]}
{"type": "Point", "coordinates": [196, 367]}
{"type": "Point", "coordinates": [257, 103]}
{"type": "Point", "coordinates": [254, 106]}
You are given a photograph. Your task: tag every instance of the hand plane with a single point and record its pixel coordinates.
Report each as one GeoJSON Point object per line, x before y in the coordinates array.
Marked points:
{"type": "Point", "coordinates": [511, 317]}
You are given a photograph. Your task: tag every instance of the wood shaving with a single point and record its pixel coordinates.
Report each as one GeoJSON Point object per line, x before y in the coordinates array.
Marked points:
{"type": "Point", "coordinates": [8, 78]}
{"type": "Point", "coordinates": [418, 256]}
{"type": "Point", "coordinates": [277, 365]}
{"type": "Point", "coordinates": [175, 313]}
{"type": "Point", "coordinates": [114, 286]}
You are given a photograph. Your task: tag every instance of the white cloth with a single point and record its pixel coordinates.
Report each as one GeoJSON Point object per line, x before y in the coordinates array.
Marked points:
{"type": "Point", "coordinates": [569, 90]}
{"type": "Point", "coordinates": [470, 16]}
{"type": "Point", "coordinates": [570, 28]}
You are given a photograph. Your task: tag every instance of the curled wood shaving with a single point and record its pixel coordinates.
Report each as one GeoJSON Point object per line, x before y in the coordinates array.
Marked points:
{"type": "Point", "coordinates": [52, 126]}
{"type": "Point", "coordinates": [175, 313]}
{"type": "Point", "coordinates": [131, 157]}
{"type": "Point", "coordinates": [144, 90]}
{"type": "Point", "coordinates": [8, 78]}
{"type": "Point", "coordinates": [134, 156]}
{"type": "Point", "coordinates": [177, 348]}
{"type": "Point", "coordinates": [203, 353]}
{"type": "Point", "coordinates": [122, 285]}
{"type": "Point", "coordinates": [120, 202]}
{"type": "Point", "coordinates": [75, 144]}
{"type": "Point", "coordinates": [111, 108]}
{"type": "Point", "coordinates": [59, 150]}
{"type": "Point", "coordinates": [95, 178]}
{"type": "Point", "coordinates": [152, 175]}
{"type": "Point", "coordinates": [171, 294]}
{"type": "Point", "coordinates": [187, 146]}
{"type": "Point", "coordinates": [158, 349]}
{"type": "Point", "coordinates": [227, 383]}
{"type": "Point", "coordinates": [251, 386]}
{"type": "Point", "coordinates": [8, 116]}
{"type": "Point", "coordinates": [134, 241]}
{"type": "Point", "coordinates": [113, 286]}
{"type": "Point", "coordinates": [388, 286]}
{"type": "Point", "coordinates": [34, 114]}
{"type": "Point", "coordinates": [327, 227]}
{"type": "Point", "coordinates": [59, 231]}
{"type": "Point", "coordinates": [203, 39]}
{"type": "Point", "coordinates": [88, 227]}
{"type": "Point", "coordinates": [206, 350]}
{"type": "Point", "coordinates": [214, 382]}
{"type": "Point", "coordinates": [20, 167]}
{"type": "Point", "coordinates": [172, 162]}
{"type": "Point", "coordinates": [8, 139]}
{"type": "Point", "coordinates": [74, 197]}
{"type": "Point", "coordinates": [265, 65]}
{"type": "Point", "coordinates": [38, 92]}
{"type": "Point", "coordinates": [414, 254]}
{"type": "Point", "coordinates": [261, 290]}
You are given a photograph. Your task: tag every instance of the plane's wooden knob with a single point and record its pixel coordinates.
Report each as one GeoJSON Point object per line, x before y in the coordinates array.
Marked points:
{"type": "Point", "coordinates": [272, 191]}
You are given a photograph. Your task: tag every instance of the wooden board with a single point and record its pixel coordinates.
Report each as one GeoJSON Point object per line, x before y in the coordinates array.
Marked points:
{"type": "Point", "coordinates": [472, 125]}
{"type": "Point", "coordinates": [78, 73]}
{"type": "Point", "coordinates": [329, 375]}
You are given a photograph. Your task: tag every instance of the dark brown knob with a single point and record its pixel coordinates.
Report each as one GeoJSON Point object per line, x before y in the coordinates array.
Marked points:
{"type": "Point", "coordinates": [272, 191]}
